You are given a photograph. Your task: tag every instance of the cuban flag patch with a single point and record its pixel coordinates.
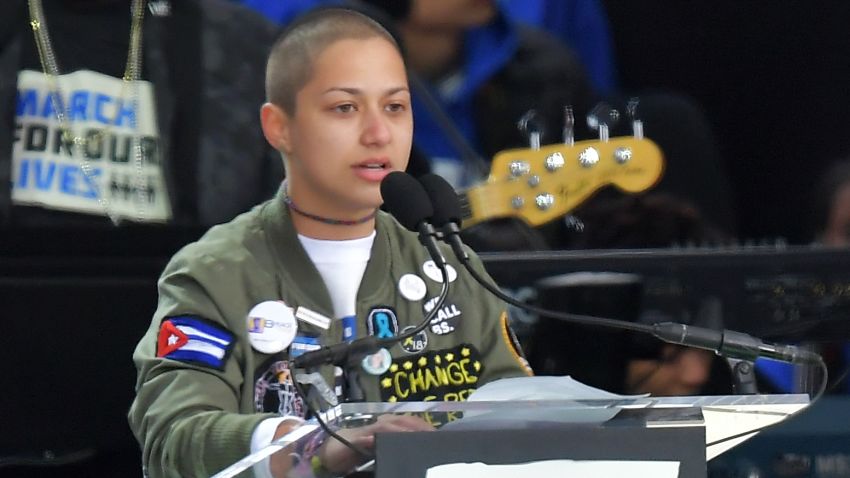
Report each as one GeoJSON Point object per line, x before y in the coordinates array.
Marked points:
{"type": "Point", "coordinates": [194, 340]}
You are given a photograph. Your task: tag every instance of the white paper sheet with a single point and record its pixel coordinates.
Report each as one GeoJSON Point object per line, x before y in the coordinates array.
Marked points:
{"type": "Point", "coordinates": [542, 388]}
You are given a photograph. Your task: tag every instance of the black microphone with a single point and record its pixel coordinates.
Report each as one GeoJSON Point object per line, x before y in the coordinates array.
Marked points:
{"type": "Point", "coordinates": [448, 214]}
{"type": "Point", "coordinates": [732, 344]}
{"type": "Point", "coordinates": [726, 343]}
{"type": "Point", "coordinates": [338, 354]}
{"type": "Point", "coordinates": [405, 199]}
{"type": "Point", "coordinates": [408, 202]}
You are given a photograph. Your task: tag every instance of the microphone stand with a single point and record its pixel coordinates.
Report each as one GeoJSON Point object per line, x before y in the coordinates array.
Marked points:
{"type": "Point", "coordinates": [743, 376]}
{"type": "Point", "coordinates": [353, 392]}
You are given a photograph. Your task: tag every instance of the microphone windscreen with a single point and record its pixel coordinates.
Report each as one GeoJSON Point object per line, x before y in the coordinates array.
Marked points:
{"type": "Point", "coordinates": [444, 200]}
{"type": "Point", "coordinates": [405, 199]}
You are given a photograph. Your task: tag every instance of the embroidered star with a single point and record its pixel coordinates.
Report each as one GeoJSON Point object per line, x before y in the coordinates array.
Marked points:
{"type": "Point", "coordinates": [172, 339]}
{"type": "Point", "coordinates": [477, 366]}
{"type": "Point", "coordinates": [450, 356]}
{"type": "Point", "coordinates": [387, 382]}
{"type": "Point", "coordinates": [407, 365]}
{"type": "Point", "coordinates": [392, 399]}
{"type": "Point", "coordinates": [465, 351]}
{"type": "Point", "coordinates": [394, 367]}
{"type": "Point", "coordinates": [437, 359]}
{"type": "Point", "coordinates": [423, 361]}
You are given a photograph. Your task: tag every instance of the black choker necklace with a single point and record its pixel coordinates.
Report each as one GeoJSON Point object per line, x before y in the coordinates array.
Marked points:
{"type": "Point", "coordinates": [335, 222]}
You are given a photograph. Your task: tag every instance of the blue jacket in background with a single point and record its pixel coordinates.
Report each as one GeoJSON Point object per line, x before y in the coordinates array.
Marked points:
{"type": "Point", "coordinates": [582, 25]}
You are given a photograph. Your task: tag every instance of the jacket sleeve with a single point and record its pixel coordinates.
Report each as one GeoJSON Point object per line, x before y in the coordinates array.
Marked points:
{"type": "Point", "coordinates": [187, 416]}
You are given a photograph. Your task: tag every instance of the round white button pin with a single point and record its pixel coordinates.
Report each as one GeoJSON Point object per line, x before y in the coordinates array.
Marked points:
{"type": "Point", "coordinates": [377, 363]}
{"type": "Point", "coordinates": [433, 272]}
{"type": "Point", "coordinates": [412, 287]}
{"type": "Point", "coordinates": [271, 326]}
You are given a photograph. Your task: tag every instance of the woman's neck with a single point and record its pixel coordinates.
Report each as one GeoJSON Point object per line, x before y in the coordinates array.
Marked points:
{"type": "Point", "coordinates": [325, 216]}
{"type": "Point", "coordinates": [330, 232]}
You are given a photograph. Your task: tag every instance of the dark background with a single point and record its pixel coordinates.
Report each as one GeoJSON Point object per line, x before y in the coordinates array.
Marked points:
{"type": "Point", "coordinates": [772, 77]}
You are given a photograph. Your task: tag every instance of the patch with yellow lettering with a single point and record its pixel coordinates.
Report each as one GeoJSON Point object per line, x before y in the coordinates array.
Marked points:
{"type": "Point", "coordinates": [442, 375]}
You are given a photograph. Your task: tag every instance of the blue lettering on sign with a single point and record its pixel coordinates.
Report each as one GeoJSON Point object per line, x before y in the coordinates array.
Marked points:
{"type": "Point", "coordinates": [100, 101]}
{"type": "Point", "coordinates": [48, 110]}
{"type": "Point", "coordinates": [85, 105]}
{"type": "Point", "coordinates": [79, 106]}
{"type": "Point", "coordinates": [27, 102]}
{"type": "Point", "coordinates": [91, 188]}
{"type": "Point", "coordinates": [65, 178]}
{"type": "Point", "coordinates": [44, 174]}
{"type": "Point", "coordinates": [23, 175]}
{"type": "Point", "coordinates": [125, 113]}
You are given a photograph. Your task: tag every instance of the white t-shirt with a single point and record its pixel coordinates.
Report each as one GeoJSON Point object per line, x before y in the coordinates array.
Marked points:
{"type": "Point", "coordinates": [341, 265]}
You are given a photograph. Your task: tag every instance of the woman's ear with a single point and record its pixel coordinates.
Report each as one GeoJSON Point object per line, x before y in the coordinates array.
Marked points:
{"type": "Point", "coordinates": [275, 124]}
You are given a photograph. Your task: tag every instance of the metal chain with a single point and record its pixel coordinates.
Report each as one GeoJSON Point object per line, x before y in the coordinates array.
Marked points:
{"type": "Point", "coordinates": [132, 71]}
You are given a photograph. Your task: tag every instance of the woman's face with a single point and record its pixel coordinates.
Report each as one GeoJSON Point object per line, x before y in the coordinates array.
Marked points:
{"type": "Point", "coordinates": [351, 127]}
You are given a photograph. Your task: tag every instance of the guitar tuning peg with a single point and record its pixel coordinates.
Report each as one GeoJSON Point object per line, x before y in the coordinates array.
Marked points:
{"type": "Point", "coordinates": [569, 126]}
{"type": "Point", "coordinates": [637, 123]}
{"type": "Point", "coordinates": [531, 125]}
{"type": "Point", "coordinates": [602, 117]}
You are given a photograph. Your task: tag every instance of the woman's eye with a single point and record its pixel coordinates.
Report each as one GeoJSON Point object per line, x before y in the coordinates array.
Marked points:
{"type": "Point", "coordinates": [396, 107]}
{"type": "Point", "coordinates": [346, 108]}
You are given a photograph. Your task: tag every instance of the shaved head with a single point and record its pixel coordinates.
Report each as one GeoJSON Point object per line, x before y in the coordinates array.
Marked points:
{"type": "Point", "coordinates": [290, 64]}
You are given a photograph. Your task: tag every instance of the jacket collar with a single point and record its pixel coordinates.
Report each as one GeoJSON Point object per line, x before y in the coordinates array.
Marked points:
{"type": "Point", "coordinates": [296, 270]}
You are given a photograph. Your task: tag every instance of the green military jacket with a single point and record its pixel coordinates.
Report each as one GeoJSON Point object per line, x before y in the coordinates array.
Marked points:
{"type": "Point", "coordinates": [195, 418]}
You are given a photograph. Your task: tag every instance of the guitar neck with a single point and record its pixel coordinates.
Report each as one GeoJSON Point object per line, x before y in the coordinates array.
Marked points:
{"type": "Point", "coordinates": [541, 185]}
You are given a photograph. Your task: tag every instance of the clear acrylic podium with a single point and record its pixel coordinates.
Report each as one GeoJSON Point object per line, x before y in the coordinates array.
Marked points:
{"type": "Point", "coordinates": [689, 430]}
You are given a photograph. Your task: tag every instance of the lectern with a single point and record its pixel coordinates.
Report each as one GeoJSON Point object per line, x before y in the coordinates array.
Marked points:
{"type": "Point", "coordinates": [688, 430]}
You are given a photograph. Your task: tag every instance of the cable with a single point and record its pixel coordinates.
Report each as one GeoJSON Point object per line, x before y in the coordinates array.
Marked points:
{"type": "Point", "coordinates": [324, 426]}
{"type": "Point", "coordinates": [589, 320]}
{"type": "Point", "coordinates": [444, 289]}
{"type": "Point", "coordinates": [581, 319]}
{"type": "Point", "coordinates": [838, 381]}
{"type": "Point", "coordinates": [339, 354]}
